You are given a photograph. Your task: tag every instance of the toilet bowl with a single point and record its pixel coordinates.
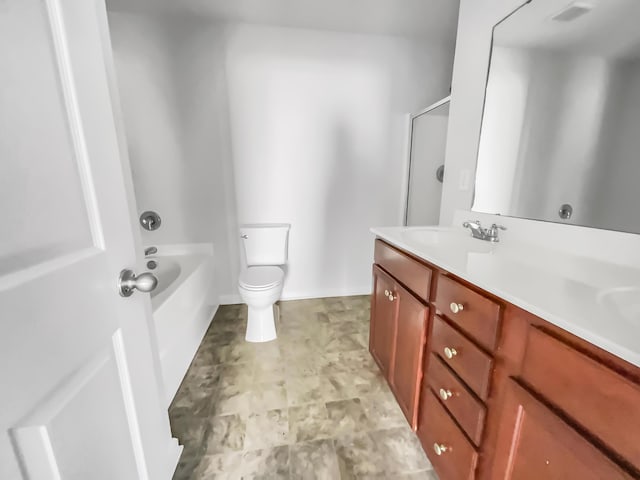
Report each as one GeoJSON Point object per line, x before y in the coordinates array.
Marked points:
{"type": "Point", "coordinates": [260, 288]}
{"type": "Point", "coordinates": [261, 281]}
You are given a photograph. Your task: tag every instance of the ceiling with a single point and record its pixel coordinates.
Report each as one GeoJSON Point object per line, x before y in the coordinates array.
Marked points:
{"type": "Point", "coordinates": [609, 29]}
{"type": "Point", "coordinates": [432, 19]}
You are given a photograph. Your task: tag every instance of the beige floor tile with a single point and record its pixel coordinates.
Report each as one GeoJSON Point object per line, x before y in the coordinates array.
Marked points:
{"type": "Point", "coordinates": [268, 463]}
{"type": "Point", "coordinates": [268, 396]}
{"type": "Point", "coordinates": [226, 466]}
{"type": "Point", "coordinates": [314, 461]}
{"type": "Point", "coordinates": [309, 422]}
{"type": "Point", "coordinates": [266, 429]}
{"type": "Point", "coordinates": [358, 456]}
{"type": "Point", "coordinates": [310, 389]}
{"type": "Point", "coordinates": [225, 434]}
{"type": "Point", "coordinates": [310, 405]}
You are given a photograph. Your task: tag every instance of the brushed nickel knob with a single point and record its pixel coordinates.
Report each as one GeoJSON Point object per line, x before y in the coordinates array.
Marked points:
{"type": "Point", "coordinates": [440, 448]}
{"type": "Point", "coordinates": [386, 293]}
{"type": "Point", "coordinates": [445, 394]}
{"type": "Point", "coordinates": [128, 282]}
{"type": "Point", "coordinates": [392, 297]}
{"type": "Point", "coordinates": [450, 352]}
{"type": "Point", "coordinates": [456, 307]}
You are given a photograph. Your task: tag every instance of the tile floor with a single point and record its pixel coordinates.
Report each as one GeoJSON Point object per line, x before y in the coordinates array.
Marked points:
{"type": "Point", "coordinates": [309, 405]}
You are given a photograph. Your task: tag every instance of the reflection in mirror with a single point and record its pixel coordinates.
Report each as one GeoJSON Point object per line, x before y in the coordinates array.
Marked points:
{"type": "Point", "coordinates": [426, 164]}
{"type": "Point", "coordinates": [560, 138]}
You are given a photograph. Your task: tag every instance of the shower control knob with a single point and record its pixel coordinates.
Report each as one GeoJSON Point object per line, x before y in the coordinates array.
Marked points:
{"type": "Point", "coordinates": [150, 220]}
{"type": "Point", "coordinates": [128, 282]}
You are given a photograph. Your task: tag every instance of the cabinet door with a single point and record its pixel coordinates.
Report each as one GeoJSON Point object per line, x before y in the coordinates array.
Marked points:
{"type": "Point", "coordinates": [410, 339]}
{"type": "Point", "coordinates": [535, 443]}
{"type": "Point", "coordinates": [383, 321]}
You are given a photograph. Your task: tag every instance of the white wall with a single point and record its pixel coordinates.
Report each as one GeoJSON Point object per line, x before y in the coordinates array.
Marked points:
{"type": "Point", "coordinates": [318, 124]}
{"type": "Point", "coordinates": [145, 66]}
{"type": "Point", "coordinates": [201, 81]}
{"type": "Point", "coordinates": [173, 88]}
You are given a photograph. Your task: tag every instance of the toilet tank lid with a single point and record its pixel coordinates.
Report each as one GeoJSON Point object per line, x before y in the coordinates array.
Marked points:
{"type": "Point", "coordinates": [266, 225]}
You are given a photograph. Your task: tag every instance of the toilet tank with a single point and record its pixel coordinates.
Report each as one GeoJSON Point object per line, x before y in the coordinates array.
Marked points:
{"type": "Point", "coordinates": [265, 243]}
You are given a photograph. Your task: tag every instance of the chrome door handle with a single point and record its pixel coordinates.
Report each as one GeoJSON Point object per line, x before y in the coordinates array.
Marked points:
{"type": "Point", "coordinates": [128, 282]}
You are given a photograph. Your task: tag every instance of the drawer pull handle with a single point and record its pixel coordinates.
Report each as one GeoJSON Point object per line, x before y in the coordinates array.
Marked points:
{"type": "Point", "coordinates": [456, 307]}
{"type": "Point", "coordinates": [445, 394]}
{"type": "Point", "coordinates": [440, 448]}
{"type": "Point", "coordinates": [450, 352]}
{"type": "Point", "coordinates": [386, 293]}
{"type": "Point", "coordinates": [392, 297]}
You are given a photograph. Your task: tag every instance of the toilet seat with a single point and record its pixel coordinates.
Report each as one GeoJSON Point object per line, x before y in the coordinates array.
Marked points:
{"type": "Point", "coordinates": [260, 277]}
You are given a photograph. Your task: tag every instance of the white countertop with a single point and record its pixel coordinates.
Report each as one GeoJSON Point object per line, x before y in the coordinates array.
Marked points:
{"type": "Point", "coordinates": [593, 299]}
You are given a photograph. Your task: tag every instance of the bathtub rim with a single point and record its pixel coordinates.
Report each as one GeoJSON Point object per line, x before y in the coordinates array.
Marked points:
{"type": "Point", "coordinates": [189, 258]}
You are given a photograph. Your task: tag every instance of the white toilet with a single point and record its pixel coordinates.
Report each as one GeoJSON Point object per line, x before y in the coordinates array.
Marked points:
{"type": "Point", "coordinates": [262, 279]}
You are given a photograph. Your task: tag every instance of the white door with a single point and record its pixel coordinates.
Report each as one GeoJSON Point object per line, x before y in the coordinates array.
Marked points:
{"type": "Point", "coordinates": [79, 389]}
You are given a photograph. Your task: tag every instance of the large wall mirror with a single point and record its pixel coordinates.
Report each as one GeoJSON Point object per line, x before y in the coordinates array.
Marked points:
{"type": "Point", "coordinates": [560, 137]}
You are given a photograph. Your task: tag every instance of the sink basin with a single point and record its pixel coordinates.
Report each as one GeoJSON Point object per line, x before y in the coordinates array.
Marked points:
{"type": "Point", "coordinates": [447, 238]}
{"type": "Point", "coordinates": [625, 301]}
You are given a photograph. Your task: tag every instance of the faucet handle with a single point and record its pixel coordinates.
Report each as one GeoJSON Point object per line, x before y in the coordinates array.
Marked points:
{"type": "Point", "coordinates": [495, 227]}
{"type": "Point", "coordinates": [471, 222]}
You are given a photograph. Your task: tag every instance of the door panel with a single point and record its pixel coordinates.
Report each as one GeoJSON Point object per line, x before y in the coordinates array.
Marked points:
{"type": "Point", "coordinates": [81, 395]}
{"type": "Point", "coordinates": [410, 339]}
{"type": "Point", "coordinates": [534, 443]}
{"type": "Point", "coordinates": [383, 321]}
{"type": "Point", "coordinates": [45, 193]}
{"type": "Point", "coordinates": [88, 405]}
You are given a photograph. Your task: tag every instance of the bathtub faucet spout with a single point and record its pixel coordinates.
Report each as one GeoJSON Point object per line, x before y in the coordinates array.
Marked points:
{"type": "Point", "coordinates": [150, 251]}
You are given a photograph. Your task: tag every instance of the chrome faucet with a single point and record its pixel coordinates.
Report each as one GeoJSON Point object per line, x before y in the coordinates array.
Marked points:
{"type": "Point", "coordinates": [150, 251]}
{"type": "Point", "coordinates": [489, 234]}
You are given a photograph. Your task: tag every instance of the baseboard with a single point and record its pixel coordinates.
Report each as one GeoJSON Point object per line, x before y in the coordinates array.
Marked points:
{"type": "Point", "coordinates": [175, 451]}
{"type": "Point", "coordinates": [325, 293]}
{"type": "Point", "coordinates": [232, 299]}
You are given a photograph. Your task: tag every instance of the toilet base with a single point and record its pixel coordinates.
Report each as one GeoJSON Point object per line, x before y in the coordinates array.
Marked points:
{"type": "Point", "coordinates": [261, 324]}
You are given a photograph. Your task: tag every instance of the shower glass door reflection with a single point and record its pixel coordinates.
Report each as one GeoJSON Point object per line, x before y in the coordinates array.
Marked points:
{"type": "Point", "coordinates": [426, 158]}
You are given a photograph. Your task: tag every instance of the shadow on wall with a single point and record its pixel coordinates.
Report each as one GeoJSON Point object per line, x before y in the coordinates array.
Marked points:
{"type": "Point", "coordinates": [341, 209]}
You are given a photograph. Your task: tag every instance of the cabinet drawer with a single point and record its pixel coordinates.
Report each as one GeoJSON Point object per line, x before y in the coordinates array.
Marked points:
{"type": "Point", "coordinates": [410, 272]}
{"type": "Point", "coordinates": [463, 356]}
{"type": "Point", "coordinates": [468, 411]}
{"type": "Point", "coordinates": [450, 453]}
{"type": "Point", "coordinates": [603, 402]}
{"type": "Point", "coordinates": [472, 312]}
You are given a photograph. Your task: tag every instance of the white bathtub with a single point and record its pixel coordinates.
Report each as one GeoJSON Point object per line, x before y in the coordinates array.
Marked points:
{"type": "Point", "coordinates": [183, 305]}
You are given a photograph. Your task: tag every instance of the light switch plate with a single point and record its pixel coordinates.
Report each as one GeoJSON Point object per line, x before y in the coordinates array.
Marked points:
{"type": "Point", "coordinates": [465, 180]}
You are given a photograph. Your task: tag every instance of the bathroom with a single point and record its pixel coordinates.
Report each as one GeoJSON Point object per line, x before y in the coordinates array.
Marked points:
{"type": "Point", "coordinates": [234, 169]}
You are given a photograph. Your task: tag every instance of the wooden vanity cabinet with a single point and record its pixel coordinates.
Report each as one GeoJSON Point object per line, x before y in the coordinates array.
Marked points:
{"type": "Point", "coordinates": [505, 394]}
{"type": "Point", "coordinates": [399, 321]}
